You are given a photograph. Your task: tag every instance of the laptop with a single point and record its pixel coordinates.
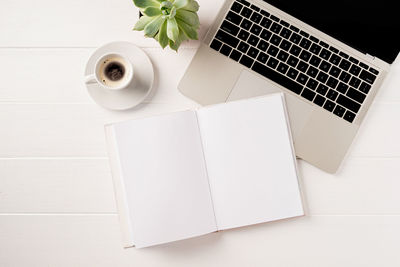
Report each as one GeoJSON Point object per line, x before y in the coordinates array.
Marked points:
{"type": "Point", "coordinates": [329, 58]}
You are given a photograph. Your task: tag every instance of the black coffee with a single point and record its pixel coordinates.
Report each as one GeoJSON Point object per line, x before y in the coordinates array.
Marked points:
{"type": "Point", "coordinates": [114, 71]}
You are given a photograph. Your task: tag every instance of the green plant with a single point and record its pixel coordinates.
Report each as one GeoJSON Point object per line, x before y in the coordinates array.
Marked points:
{"type": "Point", "coordinates": [170, 22]}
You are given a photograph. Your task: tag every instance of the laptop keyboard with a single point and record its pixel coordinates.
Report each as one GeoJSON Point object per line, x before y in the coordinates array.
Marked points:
{"type": "Point", "coordinates": [291, 57]}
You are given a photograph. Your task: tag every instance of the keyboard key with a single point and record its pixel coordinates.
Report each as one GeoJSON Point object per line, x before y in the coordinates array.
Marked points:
{"type": "Point", "coordinates": [265, 35]}
{"type": "Point", "coordinates": [305, 43]}
{"type": "Point", "coordinates": [266, 22]}
{"type": "Point", "coordinates": [364, 87]}
{"type": "Point", "coordinates": [342, 87]}
{"type": "Point", "coordinates": [285, 45]}
{"type": "Point", "coordinates": [348, 103]}
{"type": "Point", "coordinates": [322, 77]}
{"type": "Point", "coordinates": [325, 54]}
{"type": "Point", "coordinates": [312, 71]}
{"type": "Point", "coordinates": [276, 28]}
{"type": "Point", "coordinates": [335, 59]}
{"type": "Point", "coordinates": [295, 50]}
{"type": "Point", "coordinates": [333, 49]}
{"type": "Point", "coordinates": [262, 57]}
{"type": "Point", "coordinates": [292, 73]}
{"type": "Point", "coordinates": [302, 66]}
{"type": "Point", "coordinates": [277, 77]}
{"type": "Point", "coordinates": [285, 33]}
{"type": "Point", "coordinates": [253, 52]}
{"type": "Point", "coordinates": [329, 105]}
{"type": "Point", "coordinates": [339, 111]}
{"type": "Point", "coordinates": [265, 13]}
{"type": "Point", "coordinates": [343, 54]}
{"type": "Point", "coordinates": [344, 76]}
{"type": "Point", "coordinates": [227, 38]}
{"type": "Point", "coordinates": [246, 61]}
{"type": "Point", "coordinates": [352, 59]}
{"type": "Point", "coordinates": [304, 34]}
{"type": "Point", "coordinates": [344, 64]}
{"type": "Point", "coordinates": [282, 56]}
{"type": "Point", "coordinates": [332, 82]}
{"type": "Point", "coordinates": [244, 2]}
{"type": "Point", "coordinates": [234, 18]}
{"type": "Point", "coordinates": [305, 55]}
{"type": "Point", "coordinates": [272, 62]}
{"type": "Point", "coordinates": [295, 38]}
{"type": "Point", "coordinates": [356, 95]}
{"type": "Point", "coordinates": [302, 78]}
{"type": "Point", "coordinates": [243, 35]}
{"type": "Point", "coordinates": [314, 39]}
{"type": "Point", "coordinates": [262, 45]}
{"type": "Point", "coordinates": [325, 66]}
{"type": "Point", "coordinates": [335, 71]}
{"type": "Point", "coordinates": [255, 8]}
{"type": "Point", "coordinates": [284, 23]}
{"type": "Point", "coordinates": [312, 84]}
{"type": "Point", "coordinates": [315, 49]}
{"type": "Point", "coordinates": [355, 82]}
{"type": "Point", "coordinates": [274, 18]}
{"type": "Point", "coordinates": [275, 39]}
{"type": "Point", "coordinates": [246, 24]}
{"type": "Point", "coordinates": [215, 44]}
{"type": "Point", "coordinates": [349, 116]}
{"type": "Point", "coordinates": [256, 17]}
{"type": "Point", "coordinates": [236, 7]}
{"type": "Point", "coordinates": [294, 28]}
{"type": "Point", "coordinates": [235, 55]}
{"type": "Point", "coordinates": [364, 66]}
{"type": "Point", "coordinates": [367, 76]}
{"type": "Point", "coordinates": [319, 100]}
{"type": "Point", "coordinates": [308, 94]}
{"type": "Point", "coordinates": [323, 44]}
{"type": "Point", "coordinates": [282, 68]}
{"type": "Point", "coordinates": [322, 89]}
{"type": "Point", "coordinates": [225, 50]}
{"type": "Point", "coordinates": [293, 61]}
{"type": "Point", "coordinates": [253, 40]}
{"type": "Point", "coordinates": [332, 94]}
{"type": "Point", "coordinates": [355, 70]}
{"type": "Point", "coordinates": [272, 50]}
{"type": "Point", "coordinates": [315, 61]}
{"type": "Point", "coordinates": [242, 47]}
{"type": "Point", "coordinates": [374, 71]}
{"type": "Point", "coordinates": [246, 12]}
{"type": "Point", "coordinates": [255, 29]}
{"type": "Point", "coordinates": [230, 28]}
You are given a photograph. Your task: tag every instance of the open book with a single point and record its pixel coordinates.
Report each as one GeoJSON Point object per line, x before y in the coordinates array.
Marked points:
{"type": "Point", "coordinates": [190, 173]}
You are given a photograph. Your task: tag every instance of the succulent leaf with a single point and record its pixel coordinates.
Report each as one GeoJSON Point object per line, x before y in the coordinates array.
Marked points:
{"type": "Point", "coordinates": [146, 3]}
{"type": "Point", "coordinates": [153, 27]}
{"type": "Point", "coordinates": [188, 17]}
{"type": "Point", "coordinates": [180, 3]}
{"type": "Point", "coordinates": [152, 11]}
{"type": "Point", "coordinates": [172, 29]}
{"type": "Point", "coordinates": [141, 23]}
{"type": "Point", "coordinates": [191, 6]}
{"type": "Point", "coordinates": [162, 35]}
{"type": "Point", "coordinates": [190, 32]}
{"type": "Point", "coordinates": [175, 45]}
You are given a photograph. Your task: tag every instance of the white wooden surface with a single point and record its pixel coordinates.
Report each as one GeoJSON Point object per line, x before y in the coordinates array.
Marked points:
{"type": "Point", "coordinates": [56, 197]}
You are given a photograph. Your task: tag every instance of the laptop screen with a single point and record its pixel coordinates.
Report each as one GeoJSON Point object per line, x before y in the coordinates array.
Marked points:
{"type": "Point", "coordinates": [371, 27]}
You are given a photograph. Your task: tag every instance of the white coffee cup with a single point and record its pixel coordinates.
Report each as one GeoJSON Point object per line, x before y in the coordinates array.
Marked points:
{"type": "Point", "coordinates": [112, 71]}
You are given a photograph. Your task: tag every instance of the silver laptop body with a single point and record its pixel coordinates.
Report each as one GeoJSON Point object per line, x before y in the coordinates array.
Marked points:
{"type": "Point", "coordinates": [320, 137]}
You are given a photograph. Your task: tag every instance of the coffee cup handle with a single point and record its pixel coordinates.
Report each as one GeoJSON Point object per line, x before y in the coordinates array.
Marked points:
{"type": "Point", "coordinates": [90, 79]}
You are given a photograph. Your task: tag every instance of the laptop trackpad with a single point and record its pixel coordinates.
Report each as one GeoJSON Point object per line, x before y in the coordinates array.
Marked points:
{"type": "Point", "coordinates": [250, 85]}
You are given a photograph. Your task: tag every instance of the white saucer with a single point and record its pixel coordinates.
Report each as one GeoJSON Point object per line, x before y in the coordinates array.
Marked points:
{"type": "Point", "coordinates": [131, 96]}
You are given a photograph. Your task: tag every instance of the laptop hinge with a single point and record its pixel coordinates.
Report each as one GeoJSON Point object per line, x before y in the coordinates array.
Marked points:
{"type": "Point", "coordinates": [370, 56]}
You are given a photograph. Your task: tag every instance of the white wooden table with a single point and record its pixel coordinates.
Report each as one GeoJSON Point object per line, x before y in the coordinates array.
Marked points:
{"type": "Point", "coordinates": [56, 196]}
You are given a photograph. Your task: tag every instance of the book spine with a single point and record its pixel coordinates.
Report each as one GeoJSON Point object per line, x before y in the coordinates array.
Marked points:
{"type": "Point", "coordinates": [119, 187]}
